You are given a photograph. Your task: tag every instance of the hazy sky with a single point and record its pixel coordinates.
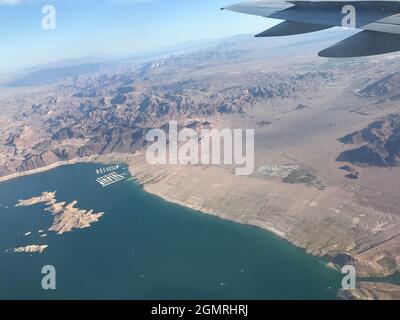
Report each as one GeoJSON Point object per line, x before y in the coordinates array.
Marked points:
{"type": "Point", "coordinates": [103, 27]}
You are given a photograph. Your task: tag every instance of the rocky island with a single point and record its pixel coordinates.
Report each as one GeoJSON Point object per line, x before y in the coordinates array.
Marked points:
{"type": "Point", "coordinates": [66, 216]}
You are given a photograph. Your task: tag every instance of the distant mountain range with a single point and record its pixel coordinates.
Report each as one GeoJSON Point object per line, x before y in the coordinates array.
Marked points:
{"type": "Point", "coordinates": [49, 73]}
{"type": "Point", "coordinates": [102, 107]}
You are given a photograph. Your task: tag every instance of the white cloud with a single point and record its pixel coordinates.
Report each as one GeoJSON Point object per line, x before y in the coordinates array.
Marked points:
{"type": "Point", "coordinates": [10, 2]}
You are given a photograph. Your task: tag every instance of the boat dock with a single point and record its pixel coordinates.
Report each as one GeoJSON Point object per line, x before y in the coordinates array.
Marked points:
{"type": "Point", "coordinates": [110, 179]}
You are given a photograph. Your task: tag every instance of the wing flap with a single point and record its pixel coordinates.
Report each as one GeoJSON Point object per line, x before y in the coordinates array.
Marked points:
{"type": "Point", "coordinates": [364, 43]}
{"type": "Point", "coordinates": [287, 28]}
{"type": "Point", "coordinates": [384, 26]}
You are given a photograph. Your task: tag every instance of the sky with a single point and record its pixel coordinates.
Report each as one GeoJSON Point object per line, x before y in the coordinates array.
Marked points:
{"type": "Point", "coordinates": [87, 28]}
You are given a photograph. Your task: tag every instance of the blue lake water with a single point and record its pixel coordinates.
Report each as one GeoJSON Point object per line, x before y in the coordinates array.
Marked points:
{"type": "Point", "coordinates": [145, 248]}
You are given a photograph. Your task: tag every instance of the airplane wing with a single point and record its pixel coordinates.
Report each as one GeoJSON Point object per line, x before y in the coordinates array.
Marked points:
{"type": "Point", "coordinates": [379, 20]}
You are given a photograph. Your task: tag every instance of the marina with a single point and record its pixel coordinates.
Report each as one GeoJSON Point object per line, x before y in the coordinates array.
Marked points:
{"type": "Point", "coordinates": [110, 179]}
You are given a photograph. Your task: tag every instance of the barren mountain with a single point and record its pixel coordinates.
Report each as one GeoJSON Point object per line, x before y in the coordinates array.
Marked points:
{"type": "Point", "coordinates": [111, 111]}
{"type": "Point", "coordinates": [386, 88]}
{"type": "Point", "coordinates": [308, 113]}
{"type": "Point", "coordinates": [380, 144]}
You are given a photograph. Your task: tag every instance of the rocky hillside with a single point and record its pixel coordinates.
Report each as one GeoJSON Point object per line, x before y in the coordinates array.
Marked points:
{"type": "Point", "coordinates": [386, 88]}
{"type": "Point", "coordinates": [111, 111]}
{"type": "Point", "coordinates": [377, 145]}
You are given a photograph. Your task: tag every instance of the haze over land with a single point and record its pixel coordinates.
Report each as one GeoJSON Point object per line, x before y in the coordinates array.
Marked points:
{"type": "Point", "coordinates": [327, 136]}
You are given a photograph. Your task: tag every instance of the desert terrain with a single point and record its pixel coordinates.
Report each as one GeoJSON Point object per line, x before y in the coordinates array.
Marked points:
{"type": "Point", "coordinates": [327, 139]}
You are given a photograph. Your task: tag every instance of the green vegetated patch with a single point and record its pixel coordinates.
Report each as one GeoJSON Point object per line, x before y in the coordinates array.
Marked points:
{"type": "Point", "coordinates": [388, 263]}
{"type": "Point", "coordinates": [303, 176]}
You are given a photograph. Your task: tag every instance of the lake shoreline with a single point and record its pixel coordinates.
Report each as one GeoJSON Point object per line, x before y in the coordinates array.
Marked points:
{"type": "Point", "coordinates": [220, 259]}
{"type": "Point", "coordinates": [127, 158]}
{"type": "Point", "coordinates": [104, 159]}
{"type": "Point", "coordinates": [42, 169]}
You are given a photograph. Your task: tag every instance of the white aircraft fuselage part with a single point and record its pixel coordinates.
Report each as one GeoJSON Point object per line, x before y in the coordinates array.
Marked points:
{"type": "Point", "coordinates": [379, 20]}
